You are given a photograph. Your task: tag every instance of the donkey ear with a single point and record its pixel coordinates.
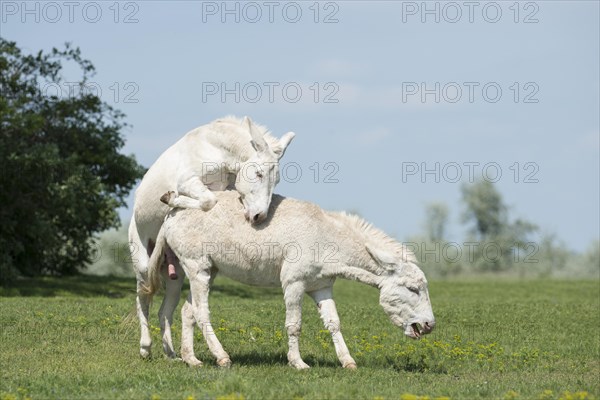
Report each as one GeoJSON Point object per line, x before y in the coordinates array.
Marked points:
{"type": "Point", "coordinates": [284, 142]}
{"type": "Point", "coordinates": [258, 141]}
{"type": "Point", "coordinates": [384, 258]}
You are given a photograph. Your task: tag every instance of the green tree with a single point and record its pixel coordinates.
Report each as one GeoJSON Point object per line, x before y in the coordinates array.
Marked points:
{"type": "Point", "coordinates": [485, 209]}
{"type": "Point", "coordinates": [498, 238]}
{"type": "Point", "coordinates": [431, 248]}
{"type": "Point", "coordinates": [551, 256]}
{"type": "Point", "coordinates": [436, 219]}
{"type": "Point", "coordinates": [62, 176]}
{"type": "Point", "coordinates": [114, 257]}
{"type": "Point", "coordinates": [592, 259]}
{"type": "Point", "coordinates": [586, 264]}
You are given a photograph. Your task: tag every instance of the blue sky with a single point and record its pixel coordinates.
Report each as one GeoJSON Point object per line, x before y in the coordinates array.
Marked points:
{"type": "Point", "coordinates": [386, 92]}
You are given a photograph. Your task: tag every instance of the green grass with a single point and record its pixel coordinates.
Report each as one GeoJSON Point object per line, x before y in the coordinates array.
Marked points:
{"type": "Point", "coordinates": [78, 338]}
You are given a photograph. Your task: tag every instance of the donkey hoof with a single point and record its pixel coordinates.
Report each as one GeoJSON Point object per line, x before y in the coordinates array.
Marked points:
{"type": "Point", "coordinates": [350, 366]}
{"type": "Point", "coordinates": [224, 362]}
{"type": "Point", "coordinates": [193, 362]}
{"type": "Point", "coordinates": [166, 198]}
{"type": "Point", "coordinates": [299, 365]}
{"type": "Point", "coordinates": [145, 353]}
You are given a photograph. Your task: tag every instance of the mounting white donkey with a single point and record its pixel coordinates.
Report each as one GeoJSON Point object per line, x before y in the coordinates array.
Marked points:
{"type": "Point", "coordinates": [281, 252]}
{"type": "Point", "coordinates": [209, 158]}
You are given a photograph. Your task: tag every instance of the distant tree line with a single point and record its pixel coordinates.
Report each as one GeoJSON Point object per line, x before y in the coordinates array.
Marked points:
{"type": "Point", "coordinates": [495, 243]}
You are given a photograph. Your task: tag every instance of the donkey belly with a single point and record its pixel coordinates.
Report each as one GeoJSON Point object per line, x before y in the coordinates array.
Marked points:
{"type": "Point", "coordinates": [255, 275]}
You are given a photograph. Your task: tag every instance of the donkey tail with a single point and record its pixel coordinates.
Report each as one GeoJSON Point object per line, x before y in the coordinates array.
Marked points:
{"type": "Point", "coordinates": [154, 282]}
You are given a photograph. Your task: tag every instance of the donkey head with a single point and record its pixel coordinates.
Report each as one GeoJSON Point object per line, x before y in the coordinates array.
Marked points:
{"type": "Point", "coordinates": [260, 173]}
{"type": "Point", "coordinates": [403, 292]}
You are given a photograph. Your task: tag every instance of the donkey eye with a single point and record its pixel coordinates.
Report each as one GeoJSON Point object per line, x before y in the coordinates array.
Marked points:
{"type": "Point", "coordinates": [413, 290]}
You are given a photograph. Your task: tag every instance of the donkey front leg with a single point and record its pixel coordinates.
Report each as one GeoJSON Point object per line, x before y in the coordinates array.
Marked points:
{"type": "Point", "coordinates": [187, 334]}
{"type": "Point", "coordinates": [329, 315]}
{"type": "Point", "coordinates": [191, 193]}
{"type": "Point", "coordinates": [199, 274]}
{"type": "Point", "coordinates": [293, 294]}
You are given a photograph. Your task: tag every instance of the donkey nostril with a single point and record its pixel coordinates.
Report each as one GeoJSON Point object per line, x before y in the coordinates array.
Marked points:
{"type": "Point", "coordinates": [430, 325]}
{"type": "Point", "coordinates": [256, 217]}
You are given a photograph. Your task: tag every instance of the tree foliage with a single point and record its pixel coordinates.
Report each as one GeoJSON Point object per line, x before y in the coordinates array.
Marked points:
{"type": "Point", "coordinates": [62, 175]}
{"type": "Point", "coordinates": [496, 242]}
{"type": "Point", "coordinates": [436, 219]}
{"type": "Point", "coordinates": [497, 237]}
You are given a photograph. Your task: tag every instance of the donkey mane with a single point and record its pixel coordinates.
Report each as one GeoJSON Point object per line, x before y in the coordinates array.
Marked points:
{"type": "Point", "coordinates": [373, 236]}
{"type": "Point", "coordinates": [272, 141]}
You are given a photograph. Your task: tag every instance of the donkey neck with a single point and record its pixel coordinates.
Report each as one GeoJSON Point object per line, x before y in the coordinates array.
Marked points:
{"type": "Point", "coordinates": [356, 261]}
{"type": "Point", "coordinates": [234, 146]}
{"type": "Point", "coordinates": [360, 275]}
{"type": "Point", "coordinates": [233, 160]}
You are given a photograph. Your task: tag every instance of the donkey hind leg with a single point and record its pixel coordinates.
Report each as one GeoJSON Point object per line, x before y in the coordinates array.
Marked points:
{"type": "Point", "coordinates": [187, 334]}
{"type": "Point", "coordinates": [167, 308]}
{"type": "Point", "coordinates": [329, 315]}
{"type": "Point", "coordinates": [200, 275]}
{"type": "Point", "coordinates": [292, 295]}
{"type": "Point", "coordinates": [143, 309]}
{"type": "Point", "coordinates": [139, 258]}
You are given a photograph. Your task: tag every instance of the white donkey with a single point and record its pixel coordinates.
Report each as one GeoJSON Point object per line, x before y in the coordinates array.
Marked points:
{"type": "Point", "coordinates": [208, 158]}
{"type": "Point", "coordinates": [299, 247]}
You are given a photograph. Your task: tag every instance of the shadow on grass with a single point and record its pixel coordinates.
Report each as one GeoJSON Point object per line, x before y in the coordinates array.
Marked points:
{"type": "Point", "coordinates": [115, 287]}
{"type": "Point", "coordinates": [416, 365]}
{"type": "Point", "coordinates": [278, 359]}
{"type": "Point", "coordinates": [76, 286]}
{"type": "Point", "coordinates": [230, 288]}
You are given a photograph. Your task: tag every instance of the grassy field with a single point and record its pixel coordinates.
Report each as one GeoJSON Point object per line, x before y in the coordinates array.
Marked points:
{"type": "Point", "coordinates": [78, 338]}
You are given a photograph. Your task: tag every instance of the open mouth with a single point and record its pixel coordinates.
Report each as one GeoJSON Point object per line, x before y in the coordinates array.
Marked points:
{"type": "Point", "coordinates": [414, 331]}
{"type": "Point", "coordinates": [416, 328]}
